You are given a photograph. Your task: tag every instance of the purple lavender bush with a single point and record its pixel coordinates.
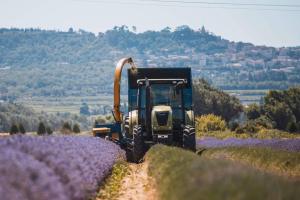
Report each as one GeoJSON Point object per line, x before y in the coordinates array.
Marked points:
{"type": "Point", "coordinates": [54, 167]}
{"type": "Point", "coordinates": [282, 144]}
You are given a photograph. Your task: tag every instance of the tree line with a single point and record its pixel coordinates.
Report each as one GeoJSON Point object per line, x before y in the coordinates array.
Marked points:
{"type": "Point", "coordinates": [12, 113]}
{"type": "Point", "coordinates": [45, 130]}
{"type": "Point", "coordinates": [27, 56]}
{"type": "Point", "coordinates": [280, 110]}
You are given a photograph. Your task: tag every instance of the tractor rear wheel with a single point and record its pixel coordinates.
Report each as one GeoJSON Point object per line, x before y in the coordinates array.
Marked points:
{"type": "Point", "coordinates": [138, 144]}
{"type": "Point", "coordinates": [189, 138]}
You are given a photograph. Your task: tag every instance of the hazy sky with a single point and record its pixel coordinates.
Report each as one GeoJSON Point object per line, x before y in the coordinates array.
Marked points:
{"type": "Point", "coordinates": [259, 25]}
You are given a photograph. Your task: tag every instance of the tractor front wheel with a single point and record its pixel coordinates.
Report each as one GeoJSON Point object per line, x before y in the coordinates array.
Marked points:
{"type": "Point", "coordinates": [189, 138]}
{"type": "Point", "coordinates": [138, 144]}
{"type": "Point", "coordinates": [127, 127]}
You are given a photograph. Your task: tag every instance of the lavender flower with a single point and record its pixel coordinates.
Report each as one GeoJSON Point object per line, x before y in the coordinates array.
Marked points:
{"type": "Point", "coordinates": [63, 167]}
{"type": "Point", "coordinates": [283, 144]}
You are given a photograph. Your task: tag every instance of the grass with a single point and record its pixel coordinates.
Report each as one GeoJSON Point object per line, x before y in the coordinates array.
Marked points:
{"type": "Point", "coordinates": [181, 174]}
{"type": "Point", "coordinates": [270, 160]}
{"type": "Point", "coordinates": [111, 187]}
{"type": "Point", "coordinates": [261, 134]}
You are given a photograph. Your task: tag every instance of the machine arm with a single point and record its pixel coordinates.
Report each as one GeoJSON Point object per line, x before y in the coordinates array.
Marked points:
{"type": "Point", "coordinates": [117, 82]}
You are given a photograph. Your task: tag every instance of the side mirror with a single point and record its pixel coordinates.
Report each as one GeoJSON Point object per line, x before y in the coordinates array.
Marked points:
{"type": "Point", "coordinates": [178, 86]}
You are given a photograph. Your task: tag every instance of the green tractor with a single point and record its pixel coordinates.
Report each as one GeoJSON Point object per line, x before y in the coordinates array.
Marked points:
{"type": "Point", "coordinates": [160, 110]}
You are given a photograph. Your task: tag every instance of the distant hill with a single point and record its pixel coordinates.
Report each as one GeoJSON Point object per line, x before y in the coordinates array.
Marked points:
{"type": "Point", "coordinates": [55, 63]}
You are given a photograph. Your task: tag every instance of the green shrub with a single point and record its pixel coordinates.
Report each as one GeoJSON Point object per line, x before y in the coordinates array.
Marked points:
{"type": "Point", "coordinates": [264, 122]}
{"type": "Point", "coordinates": [253, 126]}
{"type": "Point", "coordinates": [249, 127]}
{"type": "Point", "coordinates": [210, 122]}
{"type": "Point", "coordinates": [273, 133]}
{"type": "Point", "coordinates": [233, 126]}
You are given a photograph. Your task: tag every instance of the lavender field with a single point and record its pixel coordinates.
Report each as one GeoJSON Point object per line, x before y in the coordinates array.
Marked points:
{"type": "Point", "coordinates": [54, 167]}
{"type": "Point", "coordinates": [281, 144]}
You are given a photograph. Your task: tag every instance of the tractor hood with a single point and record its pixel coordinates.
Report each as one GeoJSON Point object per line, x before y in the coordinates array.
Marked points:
{"type": "Point", "coordinates": [161, 117]}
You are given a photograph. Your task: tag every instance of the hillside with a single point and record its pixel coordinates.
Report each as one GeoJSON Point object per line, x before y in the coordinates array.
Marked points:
{"type": "Point", "coordinates": [77, 63]}
{"type": "Point", "coordinates": [15, 113]}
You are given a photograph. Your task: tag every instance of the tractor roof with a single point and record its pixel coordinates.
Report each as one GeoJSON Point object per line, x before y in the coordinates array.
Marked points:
{"type": "Point", "coordinates": [158, 73]}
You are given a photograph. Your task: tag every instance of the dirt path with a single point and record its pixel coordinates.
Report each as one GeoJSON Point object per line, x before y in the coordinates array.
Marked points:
{"type": "Point", "coordinates": [137, 185]}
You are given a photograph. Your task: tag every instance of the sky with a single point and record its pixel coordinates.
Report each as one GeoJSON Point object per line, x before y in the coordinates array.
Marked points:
{"type": "Point", "coordinates": [260, 25]}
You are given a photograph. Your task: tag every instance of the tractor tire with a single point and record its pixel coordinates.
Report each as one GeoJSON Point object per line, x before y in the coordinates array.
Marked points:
{"type": "Point", "coordinates": [126, 127]}
{"type": "Point", "coordinates": [138, 144]}
{"type": "Point", "coordinates": [189, 138]}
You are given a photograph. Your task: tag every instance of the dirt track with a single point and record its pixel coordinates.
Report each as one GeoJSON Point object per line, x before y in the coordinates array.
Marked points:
{"type": "Point", "coordinates": [137, 185]}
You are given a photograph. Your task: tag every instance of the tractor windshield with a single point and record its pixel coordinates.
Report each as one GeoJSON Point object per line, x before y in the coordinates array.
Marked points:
{"type": "Point", "coordinates": [165, 94]}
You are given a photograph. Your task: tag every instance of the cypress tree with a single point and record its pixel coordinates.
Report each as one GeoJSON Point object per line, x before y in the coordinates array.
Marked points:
{"type": "Point", "coordinates": [22, 129]}
{"type": "Point", "coordinates": [41, 129]}
{"type": "Point", "coordinates": [49, 130]}
{"type": "Point", "coordinates": [14, 129]}
{"type": "Point", "coordinates": [67, 126]}
{"type": "Point", "coordinates": [76, 128]}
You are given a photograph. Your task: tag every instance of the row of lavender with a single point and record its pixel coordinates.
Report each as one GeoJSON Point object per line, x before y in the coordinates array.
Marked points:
{"type": "Point", "coordinates": [282, 144]}
{"type": "Point", "coordinates": [54, 167]}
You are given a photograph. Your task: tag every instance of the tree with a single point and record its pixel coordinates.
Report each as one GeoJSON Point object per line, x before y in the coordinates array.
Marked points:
{"type": "Point", "coordinates": [70, 30]}
{"type": "Point", "coordinates": [14, 129]}
{"type": "Point", "coordinates": [203, 31]}
{"type": "Point", "coordinates": [49, 130]}
{"type": "Point", "coordinates": [134, 29]}
{"type": "Point", "coordinates": [21, 128]}
{"type": "Point", "coordinates": [84, 109]}
{"type": "Point", "coordinates": [281, 114]}
{"type": "Point", "coordinates": [292, 127]}
{"type": "Point", "coordinates": [76, 128]}
{"type": "Point", "coordinates": [67, 126]}
{"type": "Point", "coordinates": [41, 129]}
{"type": "Point", "coordinates": [283, 108]}
{"type": "Point", "coordinates": [209, 100]}
{"type": "Point", "coordinates": [253, 111]}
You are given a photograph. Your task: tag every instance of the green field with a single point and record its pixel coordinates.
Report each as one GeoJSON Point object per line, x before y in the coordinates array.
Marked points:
{"type": "Point", "coordinates": [69, 104]}
{"type": "Point", "coordinates": [72, 104]}
{"type": "Point", "coordinates": [248, 96]}
{"type": "Point", "coordinates": [180, 174]}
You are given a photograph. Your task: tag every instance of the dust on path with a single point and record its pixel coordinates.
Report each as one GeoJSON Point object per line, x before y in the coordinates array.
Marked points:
{"type": "Point", "coordinates": [137, 185]}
